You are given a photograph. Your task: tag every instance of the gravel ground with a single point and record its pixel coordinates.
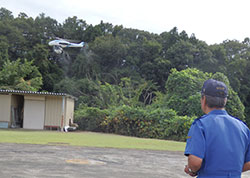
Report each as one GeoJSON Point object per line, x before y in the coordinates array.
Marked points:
{"type": "Point", "coordinates": [59, 161]}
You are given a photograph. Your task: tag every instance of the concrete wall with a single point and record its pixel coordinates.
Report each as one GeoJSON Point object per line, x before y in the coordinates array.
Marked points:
{"type": "Point", "coordinates": [34, 112]}
{"type": "Point", "coordinates": [5, 108]}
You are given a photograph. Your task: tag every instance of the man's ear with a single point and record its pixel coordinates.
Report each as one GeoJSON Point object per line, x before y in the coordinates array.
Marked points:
{"type": "Point", "coordinates": [203, 103]}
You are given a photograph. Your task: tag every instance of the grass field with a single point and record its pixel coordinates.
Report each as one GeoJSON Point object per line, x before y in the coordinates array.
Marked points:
{"type": "Point", "coordinates": [89, 139]}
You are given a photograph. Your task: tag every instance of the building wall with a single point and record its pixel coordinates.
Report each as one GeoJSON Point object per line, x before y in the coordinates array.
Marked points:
{"type": "Point", "coordinates": [53, 115]}
{"type": "Point", "coordinates": [39, 111]}
{"type": "Point", "coordinates": [70, 104]}
{"type": "Point", "coordinates": [5, 106]}
{"type": "Point", "coordinates": [34, 112]}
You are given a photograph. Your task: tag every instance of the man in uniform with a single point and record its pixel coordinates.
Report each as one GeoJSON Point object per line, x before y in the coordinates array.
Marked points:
{"type": "Point", "coordinates": [218, 145]}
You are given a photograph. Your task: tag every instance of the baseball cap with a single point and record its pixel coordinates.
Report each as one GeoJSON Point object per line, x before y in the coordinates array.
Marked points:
{"type": "Point", "coordinates": [214, 88]}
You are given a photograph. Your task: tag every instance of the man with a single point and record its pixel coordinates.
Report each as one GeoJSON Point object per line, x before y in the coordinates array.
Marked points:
{"type": "Point", "coordinates": [218, 145]}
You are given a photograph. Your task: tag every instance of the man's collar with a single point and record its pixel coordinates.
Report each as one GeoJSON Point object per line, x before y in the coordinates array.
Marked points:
{"type": "Point", "coordinates": [218, 111]}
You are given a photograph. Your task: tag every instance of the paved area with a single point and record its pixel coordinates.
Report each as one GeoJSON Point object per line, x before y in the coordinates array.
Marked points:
{"type": "Point", "coordinates": [59, 161]}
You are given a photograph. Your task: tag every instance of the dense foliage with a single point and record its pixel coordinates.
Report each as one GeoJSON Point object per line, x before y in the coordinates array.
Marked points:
{"type": "Point", "coordinates": [127, 81]}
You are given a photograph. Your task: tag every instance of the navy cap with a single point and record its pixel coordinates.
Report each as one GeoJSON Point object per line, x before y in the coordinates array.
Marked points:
{"type": "Point", "coordinates": [214, 88]}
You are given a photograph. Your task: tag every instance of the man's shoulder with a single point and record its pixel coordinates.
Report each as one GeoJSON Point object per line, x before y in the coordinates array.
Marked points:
{"type": "Point", "coordinates": [238, 120]}
{"type": "Point", "coordinates": [200, 118]}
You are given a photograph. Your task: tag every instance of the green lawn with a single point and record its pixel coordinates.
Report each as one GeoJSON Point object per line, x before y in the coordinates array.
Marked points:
{"type": "Point", "coordinates": [89, 139]}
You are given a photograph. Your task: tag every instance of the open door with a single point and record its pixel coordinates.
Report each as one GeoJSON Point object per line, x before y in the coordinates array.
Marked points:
{"type": "Point", "coordinates": [17, 104]}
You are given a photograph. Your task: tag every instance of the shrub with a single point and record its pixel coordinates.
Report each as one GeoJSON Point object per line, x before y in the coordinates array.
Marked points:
{"type": "Point", "coordinates": [147, 122]}
{"type": "Point", "coordinates": [90, 118]}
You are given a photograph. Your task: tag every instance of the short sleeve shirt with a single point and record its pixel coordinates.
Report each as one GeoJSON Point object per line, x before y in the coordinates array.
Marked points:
{"type": "Point", "coordinates": [222, 141]}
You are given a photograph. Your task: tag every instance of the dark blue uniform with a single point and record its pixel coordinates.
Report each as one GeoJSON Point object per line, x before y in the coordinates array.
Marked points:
{"type": "Point", "coordinates": [222, 141]}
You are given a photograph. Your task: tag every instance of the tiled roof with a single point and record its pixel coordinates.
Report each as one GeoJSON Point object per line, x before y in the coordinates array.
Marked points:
{"type": "Point", "coordinates": [37, 93]}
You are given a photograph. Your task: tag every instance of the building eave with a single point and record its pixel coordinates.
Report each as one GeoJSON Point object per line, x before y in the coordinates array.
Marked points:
{"type": "Point", "coordinates": [36, 93]}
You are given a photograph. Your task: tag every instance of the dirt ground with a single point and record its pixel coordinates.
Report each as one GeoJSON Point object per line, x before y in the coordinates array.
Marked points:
{"type": "Point", "coordinates": [59, 161]}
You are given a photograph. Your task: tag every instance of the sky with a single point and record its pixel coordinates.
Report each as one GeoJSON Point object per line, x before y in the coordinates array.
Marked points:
{"type": "Point", "coordinates": [212, 21]}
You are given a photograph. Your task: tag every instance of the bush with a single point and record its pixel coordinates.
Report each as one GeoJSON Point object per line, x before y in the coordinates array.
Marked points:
{"type": "Point", "coordinates": [90, 118]}
{"type": "Point", "coordinates": [146, 122]}
{"type": "Point", "coordinates": [169, 117]}
{"type": "Point", "coordinates": [183, 93]}
{"type": "Point", "coordinates": [125, 120]}
{"type": "Point", "coordinates": [178, 128]}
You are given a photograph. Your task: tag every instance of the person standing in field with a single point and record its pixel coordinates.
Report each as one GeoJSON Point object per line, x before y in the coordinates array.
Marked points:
{"type": "Point", "coordinates": [218, 145]}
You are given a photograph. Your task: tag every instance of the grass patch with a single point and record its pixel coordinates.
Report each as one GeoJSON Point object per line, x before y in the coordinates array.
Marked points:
{"type": "Point", "coordinates": [88, 139]}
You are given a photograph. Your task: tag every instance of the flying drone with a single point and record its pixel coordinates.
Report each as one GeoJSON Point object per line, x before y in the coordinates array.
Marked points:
{"type": "Point", "coordinates": [59, 44]}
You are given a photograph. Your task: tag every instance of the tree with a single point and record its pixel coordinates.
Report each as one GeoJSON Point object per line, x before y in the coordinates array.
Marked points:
{"type": "Point", "coordinates": [203, 58]}
{"type": "Point", "coordinates": [168, 39]}
{"type": "Point", "coordinates": [5, 14]}
{"type": "Point", "coordinates": [46, 28]}
{"type": "Point", "coordinates": [49, 70]}
{"type": "Point", "coordinates": [85, 66]}
{"type": "Point", "coordinates": [183, 93]}
{"type": "Point", "coordinates": [16, 75]}
{"type": "Point", "coordinates": [73, 28]}
{"type": "Point", "coordinates": [109, 54]}
{"type": "Point", "coordinates": [234, 105]}
{"type": "Point", "coordinates": [3, 51]}
{"type": "Point", "coordinates": [219, 55]}
{"type": "Point", "coordinates": [181, 54]}
{"type": "Point", "coordinates": [91, 33]}
{"type": "Point", "coordinates": [14, 38]}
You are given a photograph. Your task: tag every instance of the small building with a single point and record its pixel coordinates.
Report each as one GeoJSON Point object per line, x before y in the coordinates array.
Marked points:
{"type": "Point", "coordinates": [35, 110]}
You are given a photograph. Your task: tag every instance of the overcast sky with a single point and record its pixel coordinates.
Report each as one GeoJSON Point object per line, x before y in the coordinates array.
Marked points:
{"type": "Point", "coordinates": [212, 21]}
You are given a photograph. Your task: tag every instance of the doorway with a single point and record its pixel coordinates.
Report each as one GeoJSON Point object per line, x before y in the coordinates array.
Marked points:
{"type": "Point", "coordinates": [17, 106]}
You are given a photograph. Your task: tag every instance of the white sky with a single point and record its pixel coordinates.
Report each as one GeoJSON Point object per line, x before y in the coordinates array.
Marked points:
{"type": "Point", "coordinates": [212, 21]}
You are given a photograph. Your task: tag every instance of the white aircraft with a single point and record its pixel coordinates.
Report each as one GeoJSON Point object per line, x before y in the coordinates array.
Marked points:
{"type": "Point", "coordinates": [59, 44]}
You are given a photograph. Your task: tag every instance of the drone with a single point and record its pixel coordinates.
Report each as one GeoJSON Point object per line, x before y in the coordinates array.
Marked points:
{"type": "Point", "coordinates": [59, 44]}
